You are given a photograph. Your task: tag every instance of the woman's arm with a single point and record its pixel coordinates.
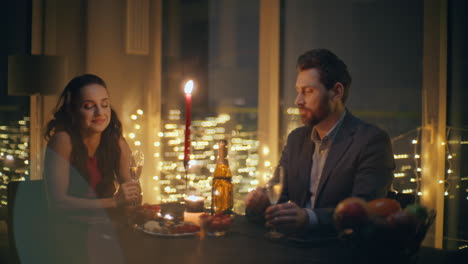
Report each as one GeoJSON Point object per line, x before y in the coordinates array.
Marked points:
{"type": "Point", "coordinates": [57, 167]}
{"type": "Point", "coordinates": [123, 174]}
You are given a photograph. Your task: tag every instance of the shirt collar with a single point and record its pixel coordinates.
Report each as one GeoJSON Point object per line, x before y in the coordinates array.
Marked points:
{"type": "Point", "coordinates": [330, 134]}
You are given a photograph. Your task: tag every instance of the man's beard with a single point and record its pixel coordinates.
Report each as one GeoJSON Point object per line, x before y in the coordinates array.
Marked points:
{"type": "Point", "coordinates": [323, 111]}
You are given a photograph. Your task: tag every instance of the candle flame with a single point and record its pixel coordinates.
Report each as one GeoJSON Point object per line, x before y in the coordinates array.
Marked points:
{"type": "Point", "coordinates": [168, 217]}
{"type": "Point", "coordinates": [188, 87]}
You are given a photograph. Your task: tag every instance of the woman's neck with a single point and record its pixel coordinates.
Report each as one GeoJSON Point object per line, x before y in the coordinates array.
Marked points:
{"type": "Point", "coordinates": [91, 143]}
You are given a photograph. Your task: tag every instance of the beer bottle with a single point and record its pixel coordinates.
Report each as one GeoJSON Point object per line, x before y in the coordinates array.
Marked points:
{"type": "Point", "coordinates": [222, 191]}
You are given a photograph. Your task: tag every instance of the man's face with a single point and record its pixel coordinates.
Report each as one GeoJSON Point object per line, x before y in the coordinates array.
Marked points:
{"type": "Point", "coordinates": [313, 99]}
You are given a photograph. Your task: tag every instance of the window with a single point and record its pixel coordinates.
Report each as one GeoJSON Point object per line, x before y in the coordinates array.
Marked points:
{"type": "Point", "coordinates": [214, 43]}
{"type": "Point", "coordinates": [381, 43]}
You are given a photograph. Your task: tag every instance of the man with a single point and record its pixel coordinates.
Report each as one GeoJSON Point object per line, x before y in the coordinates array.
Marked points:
{"type": "Point", "coordinates": [334, 156]}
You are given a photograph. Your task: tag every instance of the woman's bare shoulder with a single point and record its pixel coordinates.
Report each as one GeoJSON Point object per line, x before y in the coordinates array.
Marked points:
{"type": "Point", "coordinates": [61, 142]}
{"type": "Point", "coordinates": [123, 144]}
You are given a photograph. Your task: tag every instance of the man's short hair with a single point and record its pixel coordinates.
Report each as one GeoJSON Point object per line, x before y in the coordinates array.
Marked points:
{"type": "Point", "coordinates": [331, 68]}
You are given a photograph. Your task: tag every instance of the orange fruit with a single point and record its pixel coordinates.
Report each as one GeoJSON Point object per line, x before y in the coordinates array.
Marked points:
{"type": "Point", "coordinates": [351, 213]}
{"type": "Point", "coordinates": [383, 207]}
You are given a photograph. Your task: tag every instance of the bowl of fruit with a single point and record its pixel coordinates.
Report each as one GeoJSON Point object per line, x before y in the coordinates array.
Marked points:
{"type": "Point", "coordinates": [215, 225]}
{"type": "Point", "coordinates": [381, 229]}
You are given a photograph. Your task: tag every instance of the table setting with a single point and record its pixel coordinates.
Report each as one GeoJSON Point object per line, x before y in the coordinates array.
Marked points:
{"type": "Point", "coordinates": [189, 231]}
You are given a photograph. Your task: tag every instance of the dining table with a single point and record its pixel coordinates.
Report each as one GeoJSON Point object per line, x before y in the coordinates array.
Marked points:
{"type": "Point", "coordinates": [102, 236]}
{"type": "Point", "coordinates": [110, 239]}
{"type": "Point", "coordinates": [245, 242]}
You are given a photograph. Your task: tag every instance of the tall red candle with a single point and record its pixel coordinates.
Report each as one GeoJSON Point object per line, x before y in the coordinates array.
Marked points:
{"type": "Point", "coordinates": [188, 111]}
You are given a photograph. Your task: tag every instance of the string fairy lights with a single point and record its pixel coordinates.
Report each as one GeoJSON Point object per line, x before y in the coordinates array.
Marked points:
{"type": "Point", "coordinates": [452, 182]}
{"type": "Point", "coordinates": [417, 160]}
{"type": "Point", "coordinates": [408, 170]}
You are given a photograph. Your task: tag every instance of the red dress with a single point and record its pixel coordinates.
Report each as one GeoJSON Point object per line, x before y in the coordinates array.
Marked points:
{"type": "Point", "coordinates": [94, 176]}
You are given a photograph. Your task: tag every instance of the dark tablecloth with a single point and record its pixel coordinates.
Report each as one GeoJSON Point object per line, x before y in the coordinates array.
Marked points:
{"type": "Point", "coordinates": [245, 243]}
{"type": "Point", "coordinates": [94, 240]}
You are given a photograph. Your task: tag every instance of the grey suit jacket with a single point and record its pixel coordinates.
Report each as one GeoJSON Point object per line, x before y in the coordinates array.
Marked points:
{"type": "Point", "coordinates": [360, 163]}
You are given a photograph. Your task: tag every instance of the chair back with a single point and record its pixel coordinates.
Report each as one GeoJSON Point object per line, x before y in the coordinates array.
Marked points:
{"type": "Point", "coordinates": [27, 222]}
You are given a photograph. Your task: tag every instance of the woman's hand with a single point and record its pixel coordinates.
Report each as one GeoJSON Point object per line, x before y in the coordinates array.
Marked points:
{"type": "Point", "coordinates": [128, 194]}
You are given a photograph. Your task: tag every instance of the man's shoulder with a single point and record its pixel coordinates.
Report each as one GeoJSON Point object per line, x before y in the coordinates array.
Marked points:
{"type": "Point", "coordinates": [300, 132]}
{"type": "Point", "coordinates": [366, 129]}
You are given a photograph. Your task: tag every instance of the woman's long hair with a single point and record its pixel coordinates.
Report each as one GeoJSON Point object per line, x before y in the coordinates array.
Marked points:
{"type": "Point", "coordinates": [66, 118]}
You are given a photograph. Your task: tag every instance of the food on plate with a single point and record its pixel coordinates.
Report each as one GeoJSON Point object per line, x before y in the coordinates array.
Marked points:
{"type": "Point", "coordinates": [143, 213]}
{"type": "Point", "coordinates": [184, 228]}
{"type": "Point", "coordinates": [154, 226]}
{"type": "Point", "coordinates": [165, 226]}
{"type": "Point", "coordinates": [218, 222]}
{"type": "Point", "coordinates": [154, 207]}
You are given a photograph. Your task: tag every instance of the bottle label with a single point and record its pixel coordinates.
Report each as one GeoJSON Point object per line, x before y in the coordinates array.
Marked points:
{"type": "Point", "coordinates": [229, 179]}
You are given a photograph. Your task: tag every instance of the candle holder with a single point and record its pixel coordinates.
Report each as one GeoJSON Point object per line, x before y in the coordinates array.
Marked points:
{"type": "Point", "coordinates": [194, 207]}
{"type": "Point", "coordinates": [194, 204]}
{"type": "Point", "coordinates": [175, 210]}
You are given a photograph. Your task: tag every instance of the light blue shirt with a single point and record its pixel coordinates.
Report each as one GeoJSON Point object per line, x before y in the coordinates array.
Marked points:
{"type": "Point", "coordinates": [322, 147]}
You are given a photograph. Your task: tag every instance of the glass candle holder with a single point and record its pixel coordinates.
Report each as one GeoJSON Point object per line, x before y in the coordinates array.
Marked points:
{"type": "Point", "coordinates": [194, 207]}
{"type": "Point", "coordinates": [194, 204]}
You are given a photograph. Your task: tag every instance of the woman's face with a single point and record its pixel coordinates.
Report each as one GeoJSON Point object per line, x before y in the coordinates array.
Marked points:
{"type": "Point", "coordinates": [94, 109]}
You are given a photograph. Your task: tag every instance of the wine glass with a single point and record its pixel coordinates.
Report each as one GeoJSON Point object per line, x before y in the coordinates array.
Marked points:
{"type": "Point", "coordinates": [273, 188]}
{"type": "Point", "coordinates": [136, 165]}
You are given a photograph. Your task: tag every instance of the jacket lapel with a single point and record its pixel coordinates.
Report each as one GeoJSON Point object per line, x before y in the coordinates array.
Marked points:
{"type": "Point", "coordinates": [305, 169]}
{"type": "Point", "coordinates": [340, 145]}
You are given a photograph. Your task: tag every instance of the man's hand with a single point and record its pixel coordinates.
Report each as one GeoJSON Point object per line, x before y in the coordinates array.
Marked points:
{"type": "Point", "coordinates": [288, 217]}
{"type": "Point", "coordinates": [257, 201]}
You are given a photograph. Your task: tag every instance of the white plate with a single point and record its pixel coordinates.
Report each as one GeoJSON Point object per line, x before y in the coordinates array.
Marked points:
{"type": "Point", "coordinates": [166, 234]}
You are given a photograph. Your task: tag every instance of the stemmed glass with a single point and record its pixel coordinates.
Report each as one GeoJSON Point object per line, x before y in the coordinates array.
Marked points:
{"type": "Point", "coordinates": [273, 189]}
{"type": "Point", "coordinates": [136, 165]}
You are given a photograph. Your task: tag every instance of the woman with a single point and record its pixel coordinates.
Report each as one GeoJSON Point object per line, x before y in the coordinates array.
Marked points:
{"type": "Point", "coordinates": [86, 158]}
{"type": "Point", "coordinates": [86, 153]}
